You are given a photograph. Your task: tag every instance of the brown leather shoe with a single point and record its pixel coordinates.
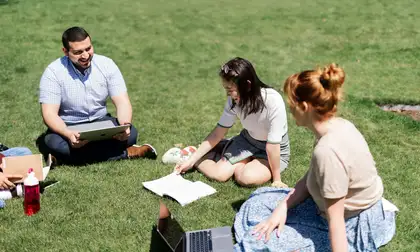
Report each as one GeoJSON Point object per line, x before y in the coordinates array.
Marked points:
{"type": "Point", "coordinates": [144, 151]}
{"type": "Point", "coordinates": [54, 162]}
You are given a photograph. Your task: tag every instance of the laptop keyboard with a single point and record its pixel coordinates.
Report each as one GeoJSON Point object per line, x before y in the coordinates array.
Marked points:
{"type": "Point", "coordinates": [201, 241]}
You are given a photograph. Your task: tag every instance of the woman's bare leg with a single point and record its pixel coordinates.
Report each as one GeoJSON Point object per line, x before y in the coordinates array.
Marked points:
{"type": "Point", "coordinates": [220, 171]}
{"type": "Point", "coordinates": [256, 172]}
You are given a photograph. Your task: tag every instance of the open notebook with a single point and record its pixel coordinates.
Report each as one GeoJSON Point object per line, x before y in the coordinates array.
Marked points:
{"type": "Point", "coordinates": [178, 188]}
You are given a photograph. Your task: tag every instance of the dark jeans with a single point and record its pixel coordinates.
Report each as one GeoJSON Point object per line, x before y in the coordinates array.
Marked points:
{"type": "Point", "coordinates": [92, 152]}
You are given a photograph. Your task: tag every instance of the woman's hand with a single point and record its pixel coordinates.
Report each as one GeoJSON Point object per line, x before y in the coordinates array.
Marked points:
{"type": "Point", "coordinates": [183, 166]}
{"type": "Point", "coordinates": [5, 184]}
{"type": "Point", "coordinates": [276, 220]}
{"type": "Point", "coordinates": [279, 184]}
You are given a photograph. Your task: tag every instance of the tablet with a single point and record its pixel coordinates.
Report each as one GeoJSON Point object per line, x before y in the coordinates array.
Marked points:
{"type": "Point", "coordinates": [98, 130]}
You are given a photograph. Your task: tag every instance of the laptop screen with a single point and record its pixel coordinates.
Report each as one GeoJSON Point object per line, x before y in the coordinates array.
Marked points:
{"type": "Point", "coordinates": [170, 230]}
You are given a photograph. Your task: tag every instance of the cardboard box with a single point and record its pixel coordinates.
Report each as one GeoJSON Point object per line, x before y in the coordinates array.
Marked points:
{"type": "Point", "coordinates": [21, 164]}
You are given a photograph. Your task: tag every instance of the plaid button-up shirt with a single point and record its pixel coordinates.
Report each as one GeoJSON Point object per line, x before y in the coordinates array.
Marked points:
{"type": "Point", "coordinates": [82, 98]}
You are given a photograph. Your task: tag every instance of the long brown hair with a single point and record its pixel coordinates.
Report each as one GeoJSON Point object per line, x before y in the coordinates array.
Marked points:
{"type": "Point", "coordinates": [240, 71]}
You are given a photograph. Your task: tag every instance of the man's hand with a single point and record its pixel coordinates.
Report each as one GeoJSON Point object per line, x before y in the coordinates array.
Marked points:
{"type": "Point", "coordinates": [73, 138]}
{"type": "Point", "coordinates": [5, 183]}
{"type": "Point", "coordinates": [124, 135]}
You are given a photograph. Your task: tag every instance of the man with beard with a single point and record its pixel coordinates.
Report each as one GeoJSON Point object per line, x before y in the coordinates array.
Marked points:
{"type": "Point", "coordinates": [74, 90]}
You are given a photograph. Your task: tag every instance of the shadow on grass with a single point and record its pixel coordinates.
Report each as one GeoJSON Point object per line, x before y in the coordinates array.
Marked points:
{"type": "Point", "coordinates": [237, 204]}
{"type": "Point", "coordinates": [76, 160]}
{"type": "Point", "coordinates": [47, 184]}
{"type": "Point", "coordinates": [8, 2]}
{"type": "Point", "coordinates": [42, 147]}
{"type": "Point", "coordinates": [44, 150]}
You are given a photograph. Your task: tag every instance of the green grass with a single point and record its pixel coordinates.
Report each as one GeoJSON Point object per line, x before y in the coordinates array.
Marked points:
{"type": "Point", "coordinates": [170, 53]}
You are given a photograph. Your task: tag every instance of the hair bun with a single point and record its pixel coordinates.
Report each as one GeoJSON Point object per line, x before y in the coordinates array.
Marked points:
{"type": "Point", "coordinates": [332, 77]}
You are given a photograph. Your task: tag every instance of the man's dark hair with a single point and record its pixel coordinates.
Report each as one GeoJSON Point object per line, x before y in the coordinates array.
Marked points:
{"type": "Point", "coordinates": [73, 34]}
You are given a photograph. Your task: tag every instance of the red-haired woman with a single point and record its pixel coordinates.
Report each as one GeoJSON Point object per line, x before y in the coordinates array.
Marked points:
{"type": "Point", "coordinates": [337, 205]}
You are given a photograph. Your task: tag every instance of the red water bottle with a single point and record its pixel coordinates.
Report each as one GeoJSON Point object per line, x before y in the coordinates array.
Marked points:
{"type": "Point", "coordinates": [31, 201]}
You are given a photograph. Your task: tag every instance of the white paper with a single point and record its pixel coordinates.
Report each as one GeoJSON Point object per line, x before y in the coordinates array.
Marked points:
{"type": "Point", "coordinates": [388, 206]}
{"type": "Point", "coordinates": [178, 188]}
{"type": "Point", "coordinates": [45, 172]}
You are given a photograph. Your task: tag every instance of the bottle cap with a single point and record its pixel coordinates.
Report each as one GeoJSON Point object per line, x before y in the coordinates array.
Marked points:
{"type": "Point", "coordinates": [30, 180]}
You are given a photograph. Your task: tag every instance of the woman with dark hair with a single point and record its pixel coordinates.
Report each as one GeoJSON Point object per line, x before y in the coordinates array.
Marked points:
{"type": "Point", "coordinates": [337, 205]}
{"type": "Point", "coordinates": [261, 151]}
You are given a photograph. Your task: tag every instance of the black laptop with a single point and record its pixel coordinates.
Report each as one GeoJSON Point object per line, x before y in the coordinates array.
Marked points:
{"type": "Point", "coordinates": [212, 240]}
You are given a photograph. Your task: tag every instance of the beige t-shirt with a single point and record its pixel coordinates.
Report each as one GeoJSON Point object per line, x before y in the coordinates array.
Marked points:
{"type": "Point", "coordinates": [342, 166]}
{"type": "Point", "coordinates": [269, 125]}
